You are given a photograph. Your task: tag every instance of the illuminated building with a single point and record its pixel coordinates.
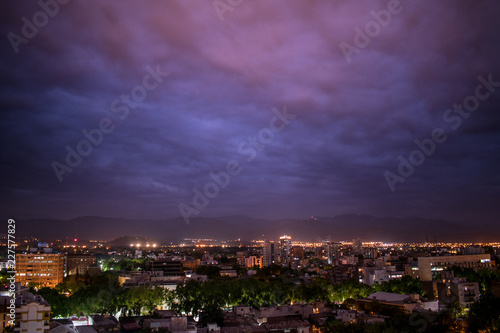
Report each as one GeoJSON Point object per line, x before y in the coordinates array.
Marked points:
{"type": "Point", "coordinates": [285, 249]}
{"type": "Point", "coordinates": [357, 246]}
{"type": "Point", "coordinates": [32, 314]}
{"type": "Point", "coordinates": [240, 258]}
{"type": "Point", "coordinates": [370, 252]}
{"type": "Point", "coordinates": [42, 269]}
{"type": "Point", "coordinates": [191, 264]}
{"type": "Point", "coordinates": [269, 254]}
{"type": "Point", "coordinates": [473, 250]}
{"type": "Point", "coordinates": [427, 266]}
{"type": "Point", "coordinates": [79, 263]}
{"type": "Point", "coordinates": [298, 252]}
{"type": "Point", "coordinates": [332, 251]}
{"type": "Point", "coordinates": [166, 267]}
{"type": "Point", "coordinates": [457, 289]}
{"type": "Point", "coordinates": [253, 261]}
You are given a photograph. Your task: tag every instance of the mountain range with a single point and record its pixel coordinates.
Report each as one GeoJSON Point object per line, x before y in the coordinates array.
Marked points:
{"type": "Point", "coordinates": [341, 227]}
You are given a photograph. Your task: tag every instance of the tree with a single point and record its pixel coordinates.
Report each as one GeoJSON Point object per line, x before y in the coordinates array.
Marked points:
{"type": "Point", "coordinates": [73, 283]}
{"type": "Point", "coordinates": [59, 304]}
{"type": "Point", "coordinates": [349, 304]}
{"type": "Point", "coordinates": [406, 285]}
{"type": "Point", "coordinates": [189, 297]}
{"type": "Point", "coordinates": [484, 314]}
{"type": "Point", "coordinates": [211, 314]}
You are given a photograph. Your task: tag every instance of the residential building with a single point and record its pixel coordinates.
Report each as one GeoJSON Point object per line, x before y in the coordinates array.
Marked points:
{"type": "Point", "coordinates": [371, 275]}
{"type": "Point", "coordinates": [467, 292]}
{"type": "Point", "coordinates": [298, 252]}
{"type": "Point", "coordinates": [61, 326]}
{"type": "Point", "coordinates": [285, 249]}
{"type": "Point", "coordinates": [370, 252]}
{"type": "Point", "coordinates": [79, 263]}
{"type": "Point", "coordinates": [253, 261]}
{"type": "Point", "coordinates": [345, 272]}
{"type": "Point", "coordinates": [172, 323]}
{"type": "Point", "coordinates": [5, 312]}
{"type": "Point", "coordinates": [408, 303]}
{"type": "Point", "coordinates": [166, 267]}
{"type": "Point", "coordinates": [269, 254]}
{"type": "Point", "coordinates": [427, 266]}
{"type": "Point", "coordinates": [357, 246]}
{"type": "Point", "coordinates": [241, 323]}
{"type": "Point", "coordinates": [191, 264]}
{"type": "Point", "coordinates": [104, 323]}
{"type": "Point", "coordinates": [240, 258]}
{"type": "Point", "coordinates": [332, 251]}
{"type": "Point", "coordinates": [32, 314]}
{"type": "Point", "coordinates": [473, 250]}
{"type": "Point", "coordinates": [229, 273]}
{"type": "Point", "coordinates": [451, 289]}
{"type": "Point", "coordinates": [266, 314]}
{"type": "Point", "coordinates": [87, 329]}
{"type": "Point", "coordinates": [42, 269]}
{"type": "Point", "coordinates": [302, 326]}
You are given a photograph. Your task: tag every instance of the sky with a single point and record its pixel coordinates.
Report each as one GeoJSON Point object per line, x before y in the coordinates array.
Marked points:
{"type": "Point", "coordinates": [273, 109]}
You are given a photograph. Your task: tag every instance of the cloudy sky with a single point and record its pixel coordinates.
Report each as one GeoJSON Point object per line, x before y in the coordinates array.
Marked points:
{"type": "Point", "coordinates": [312, 105]}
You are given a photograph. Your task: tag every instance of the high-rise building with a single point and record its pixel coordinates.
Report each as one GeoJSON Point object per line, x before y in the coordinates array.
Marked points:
{"type": "Point", "coordinates": [427, 266]}
{"type": "Point", "coordinates": [357, 246]}
{"type": "Point", "coordinates": [240, 258]}
{"type": "Point", "coordinates": [298, 252]}
{"type": "Point", "coordinates": [370, 252]}
{"type": "Point", "coordinates": [268, 254]}
{"type": "Point", "coordinates": [285, 249]}
{"type": "Point", "coordinates": [79, 263]}
{"type": "Point", "coordinates": [42, 269]}
{"type": "Point", "coordinates": [332, 251]}
{"type": "Point", "coordinates": [318, 252]}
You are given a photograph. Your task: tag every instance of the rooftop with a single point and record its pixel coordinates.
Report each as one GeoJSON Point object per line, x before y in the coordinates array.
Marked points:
{"type": "Point", "coordinates": [388, 297]}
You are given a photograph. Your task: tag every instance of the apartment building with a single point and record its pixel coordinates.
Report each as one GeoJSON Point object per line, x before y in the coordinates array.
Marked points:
{"type": "Point", "coordinates": [42, 269]}
{"type": "Point", "coordinates": [427, 266]}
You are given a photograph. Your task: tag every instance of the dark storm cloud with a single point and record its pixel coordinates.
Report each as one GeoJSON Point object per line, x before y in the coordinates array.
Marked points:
{"type": "Point", "coordinates": [353, 119]}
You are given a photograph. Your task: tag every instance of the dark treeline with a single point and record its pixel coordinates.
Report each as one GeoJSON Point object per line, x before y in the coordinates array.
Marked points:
{"type": "Point", "coordinates": [103, 294]}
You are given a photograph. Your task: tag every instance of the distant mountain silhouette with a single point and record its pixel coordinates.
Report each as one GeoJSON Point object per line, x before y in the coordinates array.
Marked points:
{"type": "Point", "coordinates": [342, 227]}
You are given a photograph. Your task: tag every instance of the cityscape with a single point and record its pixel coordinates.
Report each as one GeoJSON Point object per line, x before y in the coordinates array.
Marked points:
{"type": "Point", "coordinates": [236, 166]}
{"type": "Point", "coordinates": [135, 284]}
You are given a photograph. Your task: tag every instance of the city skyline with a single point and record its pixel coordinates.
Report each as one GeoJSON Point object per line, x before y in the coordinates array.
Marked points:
{"type": "Point", "coordinates": [283, 110]}
{"type": "Point", "coordinates": [369, 228]}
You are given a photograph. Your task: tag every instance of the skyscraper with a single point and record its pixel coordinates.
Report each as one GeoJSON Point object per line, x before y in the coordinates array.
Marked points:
{"type": "Point", "coordinates": [357, 246]}
{"type": "Point", "coordinates": [285, 249]}
{"type": "Point", "coordinates": [269, 254]}
{"type": "Point", "coordinates": [332, 251]}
